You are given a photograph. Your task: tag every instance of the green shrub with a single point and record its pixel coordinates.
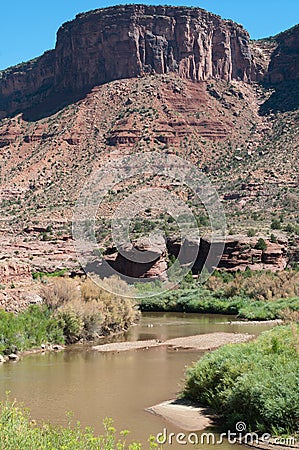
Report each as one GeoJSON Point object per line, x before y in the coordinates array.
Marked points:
{"type": "Point", "coordinates": [273, 238]}
{"type": "Point", "coordinates": [226, 301]}
{"type": "Point", "coordinates": [255, 382]}
{"type": "Point", "coordinates": [251, 232]}
{"type": "Point", "coordinates": [275, 224]}
{"type": "Point", "coordinates": [57, 273]}
{"type": "Point", "coordinates": [28, 329]}
{"type": "Point", "coordinates": [261, 244]}
{"type": "Point", "coordinates": [71, 322]}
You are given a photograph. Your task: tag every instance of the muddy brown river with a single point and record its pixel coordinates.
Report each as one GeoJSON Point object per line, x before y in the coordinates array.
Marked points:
{"type": "Point", "coordinates": [118, 385]}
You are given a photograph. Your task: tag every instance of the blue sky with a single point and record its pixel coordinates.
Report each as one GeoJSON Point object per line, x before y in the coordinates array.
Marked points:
{"type": "Point", "coordinates": [28, 28]}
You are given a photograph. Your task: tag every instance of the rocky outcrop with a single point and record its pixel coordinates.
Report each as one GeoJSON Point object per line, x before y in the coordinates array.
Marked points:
{"type": "Point", "coordinates": [141, 260]}
{"type": "Point", "coordinates": [129, 41]}
{"type": "Point", "coordinates": [13, 270]}
{"type": "Point", "coordinates": [241, 252]}
{"type": "Point", "coordinates": [284, 65]}
{"type": "Point", "coordinates": [27, 84]}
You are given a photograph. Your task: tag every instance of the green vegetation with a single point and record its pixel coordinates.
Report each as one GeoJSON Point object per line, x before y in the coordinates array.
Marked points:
{"type": "Point", "coordinates": [255, 382]}
{"type": "Point", "coordinates": [276, 224]}
{"type": "Point", "coordinates": [261, 244]}
{"type": "Point", "coordinates": [203, 301]}
{"type": "Point", "coordinates": [20, 432]}
{"type": "Point", "coordinates": [251, 232]}
{"type": "Point", "coordinates": [28, 329]}
{"type": "Point", "coordinates": [71, 311]}
{"type": "Point", "coordinates": [57, 273]}
{"type": "Point", "coordinates": [250, 295]}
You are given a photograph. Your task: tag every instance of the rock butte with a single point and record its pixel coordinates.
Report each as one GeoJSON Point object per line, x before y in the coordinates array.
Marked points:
{"type": "Point", "coordinates": [132, 40]}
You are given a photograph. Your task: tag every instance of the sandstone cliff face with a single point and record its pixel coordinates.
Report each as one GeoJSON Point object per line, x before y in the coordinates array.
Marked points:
{"type": "Point", "coordinates": [130, 262]}
{"type": "Point", "coordinates": [239, 253]}
{"type": "Point", "coordinates": [129, 41]}
{"type": "Point", "coordinates": [284, 65]}
{"type": "Point", "coordinates": [27, 84]}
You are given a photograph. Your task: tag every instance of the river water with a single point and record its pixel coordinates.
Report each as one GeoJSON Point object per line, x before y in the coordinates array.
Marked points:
{"type": "Point", "coordinates": [121, 385]}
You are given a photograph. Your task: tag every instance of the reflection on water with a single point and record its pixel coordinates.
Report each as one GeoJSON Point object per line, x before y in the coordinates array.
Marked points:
{"type": "Point", "coordinates": [117, 385]}
{"type": "Point", "coordinates": [172, 325]}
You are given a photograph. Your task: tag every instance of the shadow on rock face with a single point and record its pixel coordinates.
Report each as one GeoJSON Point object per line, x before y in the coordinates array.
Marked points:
{"type": "Point", "coordinates": [284, 98]}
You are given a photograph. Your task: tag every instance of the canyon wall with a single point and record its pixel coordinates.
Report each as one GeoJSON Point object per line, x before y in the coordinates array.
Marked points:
{"type": "Point", "coordinates": [284, 65]}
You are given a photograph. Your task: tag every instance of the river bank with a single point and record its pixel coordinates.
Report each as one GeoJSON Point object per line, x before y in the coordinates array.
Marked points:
{"type": "Point", "coordinates": [217, 392]}
{"type": "Point", "coordinates": [74, 310]}
{"type": "Point", "coordinates": [203, 342]}
{"type": "Point", "coordinates": [185, 415]}
{"type": "Point", "coordinates": [248, 295]}
{"type": "Point", "coordinates": [211, 342]}
{"type": "Point", "coordinates": [256, 382]}
{"type": "Point", "coordinates": [197, 299]}
{"type": "Point", "coordinates": [71, 311]}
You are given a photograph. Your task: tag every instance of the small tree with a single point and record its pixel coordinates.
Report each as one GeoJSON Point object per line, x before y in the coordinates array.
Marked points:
{"type": "Point", "coordinates": [261, 244]}
{"type": "Point", "coordinates": [276, 224]}
{"type": "Point", "coordinates": [251, 232]}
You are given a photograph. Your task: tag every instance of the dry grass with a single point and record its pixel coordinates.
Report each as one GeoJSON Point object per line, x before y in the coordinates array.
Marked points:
{"type": "Point", "coordinates": [59, 292]}
{"type": "Point", "coordinates": [290, 316]}
{"type": "Point", "coordinates": [259, 285]}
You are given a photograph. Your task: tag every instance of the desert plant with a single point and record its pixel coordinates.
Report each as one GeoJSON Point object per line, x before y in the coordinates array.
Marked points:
{"type": "Point", "coordinates": [276, 224]}
{"type": "Point", "coordinates": [59, 292]}
{"type": "Point", "coordinates": [261, 244]}
{"type": "Point", "coordinates": [90, 308]}
{"type": "Point", "coordinates": [251, 232]}
{"type": "Point", "coordinates": [273, 238]}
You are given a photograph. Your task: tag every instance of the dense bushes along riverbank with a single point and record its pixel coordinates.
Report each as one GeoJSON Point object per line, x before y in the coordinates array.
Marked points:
{"type": "Point", "coordinates": [250, 295]}
{"type": "Point", "coordinates": [76, 309]}
{"type": "Point", "coordinates": [19, 432]}
{"type": "Point", "coordinates": [71, 311]}
{"type": "Point", "coordinates": [255, 382]}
